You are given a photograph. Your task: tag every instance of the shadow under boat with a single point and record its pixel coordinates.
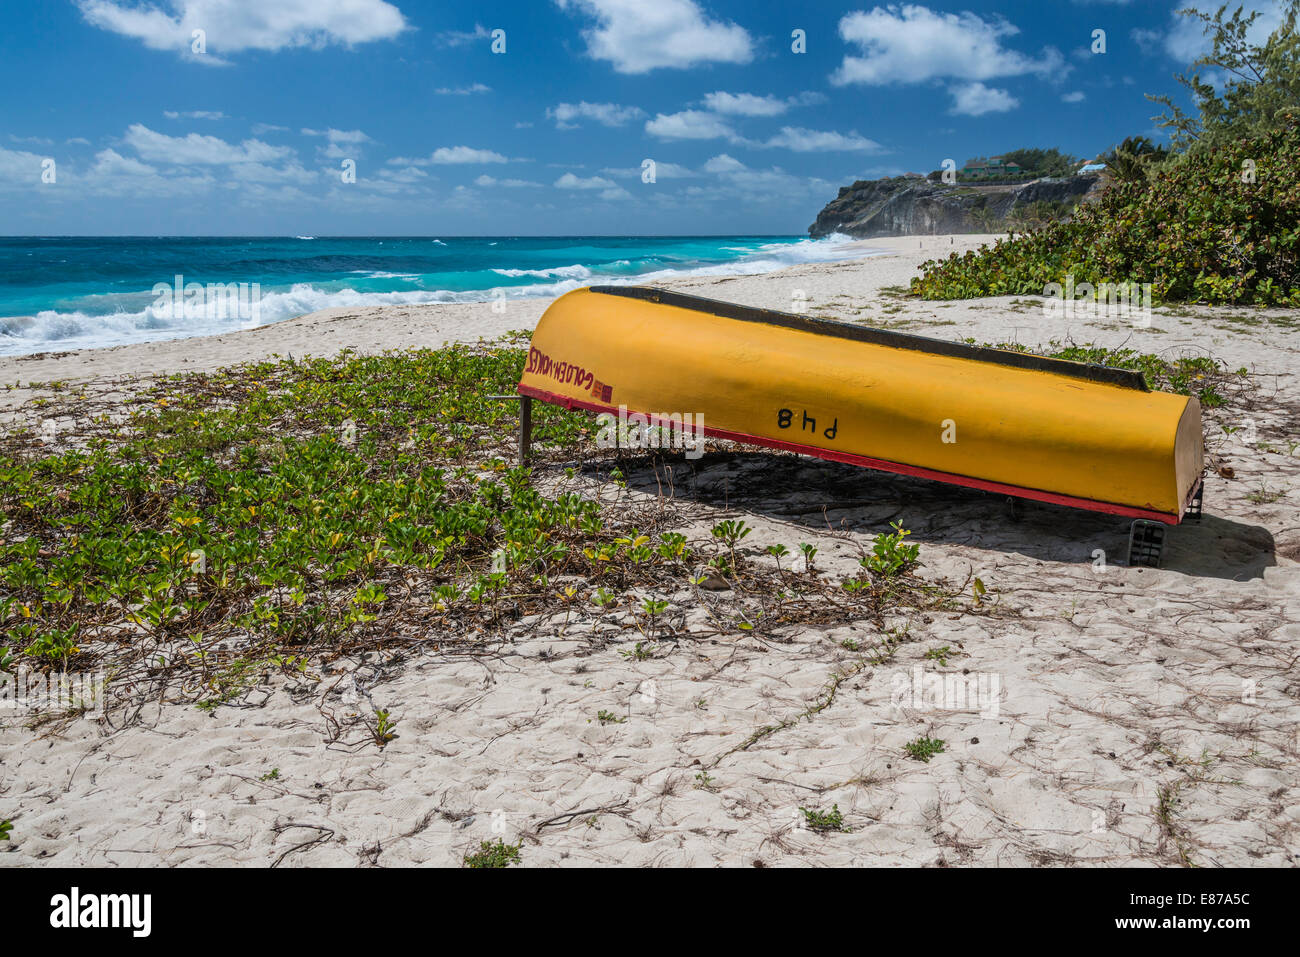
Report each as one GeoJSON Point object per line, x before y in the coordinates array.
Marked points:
{"type": "Point", "coordinates": [816, 493]}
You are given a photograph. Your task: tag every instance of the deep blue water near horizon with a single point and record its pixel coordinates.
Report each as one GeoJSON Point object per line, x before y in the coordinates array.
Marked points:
{"type": "Point", "coordinates": [80, 292]}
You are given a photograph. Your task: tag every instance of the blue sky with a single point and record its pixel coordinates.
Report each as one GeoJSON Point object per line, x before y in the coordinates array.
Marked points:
{"type": "Point", "coordinates": [252, 132]}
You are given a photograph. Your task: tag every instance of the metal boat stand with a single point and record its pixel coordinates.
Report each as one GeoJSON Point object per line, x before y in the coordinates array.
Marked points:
{"type": "Point", "coordinates": [525, 423]}
{"type": "Point", "coordinates": [1146, 539]}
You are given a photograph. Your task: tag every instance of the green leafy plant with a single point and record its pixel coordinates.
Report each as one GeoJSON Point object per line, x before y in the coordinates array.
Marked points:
{"type": "Point", "coordinates": [730, 533]}
{"type": "Point", "coordinates": [778, 552]}
{"type": "Point", "coordinates": [890, 554]}
{"type": "Point", "coordinates": [609, 717]}
{"type": "Point", "coordinates": [494, 853]}
{"type": "Point", "coordinates": [940, 655]}
{"type": "Point", "coordinates": [924, 748]}
{"type": "Point", "coordinates": [1213, 225]}
{"type": "Point", "coordinates": [823, 821]}
{"type": "Point", "coordinates": [384, 727]}
{"type": "Point", "coordinates": [809, 553]}
{"type": "Point", "coordinates": [652, 609]}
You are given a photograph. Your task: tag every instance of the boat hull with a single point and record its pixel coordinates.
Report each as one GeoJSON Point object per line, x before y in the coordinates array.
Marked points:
{"type": "Point", "coordinates": [1001, 421]}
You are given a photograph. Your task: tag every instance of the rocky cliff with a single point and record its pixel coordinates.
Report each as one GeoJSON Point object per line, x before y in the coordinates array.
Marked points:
{"type": "Point", "coordinates": [909, 207]}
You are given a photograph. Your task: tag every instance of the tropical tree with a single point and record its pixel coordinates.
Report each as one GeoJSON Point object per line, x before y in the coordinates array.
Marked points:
{"type": "Point", "coordinates": [1133, 160]}
{"type": "Point", "coordinates": [1248, 86]}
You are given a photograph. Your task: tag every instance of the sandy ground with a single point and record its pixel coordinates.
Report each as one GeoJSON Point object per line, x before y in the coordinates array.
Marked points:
{"type": "Point", "coordinates": [1141, 716]}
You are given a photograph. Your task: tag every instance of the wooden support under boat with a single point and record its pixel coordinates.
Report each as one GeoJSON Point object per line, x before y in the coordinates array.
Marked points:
{"type": "Point", "coordinates": [1012, 423]}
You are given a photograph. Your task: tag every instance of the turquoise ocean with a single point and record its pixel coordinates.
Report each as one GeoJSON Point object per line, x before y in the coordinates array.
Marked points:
{"type": "Point", "coordinates": [60, 293]}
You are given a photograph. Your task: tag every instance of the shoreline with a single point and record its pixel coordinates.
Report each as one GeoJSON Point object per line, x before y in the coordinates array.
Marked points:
{"type": "Point", "coordinates": [320, 333]}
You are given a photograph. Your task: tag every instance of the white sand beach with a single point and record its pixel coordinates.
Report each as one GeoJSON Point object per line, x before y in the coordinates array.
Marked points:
{"type": "Point", "coordinates": [1141, 716]}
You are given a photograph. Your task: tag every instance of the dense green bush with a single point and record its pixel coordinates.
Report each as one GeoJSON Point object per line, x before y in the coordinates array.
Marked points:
{"type": "Point", "coordinates": [1202, 229]}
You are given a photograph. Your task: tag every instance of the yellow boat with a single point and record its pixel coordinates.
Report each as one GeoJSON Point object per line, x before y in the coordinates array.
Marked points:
{"type": "Point", "coordinates": [1023, 425]}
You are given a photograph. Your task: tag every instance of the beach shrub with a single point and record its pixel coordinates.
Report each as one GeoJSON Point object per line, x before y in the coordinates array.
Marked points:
{"type": "Point", "coordinates": [924, 748]}
{"type": "Point", "coordinates": [1218, 225]}
{"type": "Point", "coordinates": [494, 854]}
{"type": "Point", "coordinates": [822, 821]}
{"type": "Point", "coordinates": [890, 553]}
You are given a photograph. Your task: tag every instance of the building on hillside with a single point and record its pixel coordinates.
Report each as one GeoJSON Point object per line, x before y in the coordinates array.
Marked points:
{"type": "Point", "coordinates": [994, 166]}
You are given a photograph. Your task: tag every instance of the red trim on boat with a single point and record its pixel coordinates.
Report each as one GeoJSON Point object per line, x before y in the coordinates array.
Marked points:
{"type": "Point", "coordinates": [880, 465]}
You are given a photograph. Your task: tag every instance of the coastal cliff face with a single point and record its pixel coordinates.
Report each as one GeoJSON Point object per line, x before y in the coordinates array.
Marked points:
{"type": "Point", "coordinates": [909, 207]}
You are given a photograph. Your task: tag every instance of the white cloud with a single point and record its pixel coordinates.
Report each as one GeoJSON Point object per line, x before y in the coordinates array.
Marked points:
{"type": "Point", "coordinates": [486, 180]}
{"type": "Point", "coordinates": [234, 25]}
{"type": "Point", "coordinates": [457, 38]}
{"type": "Point", "coordinates": [807, 141]}
{"type": "Point", "coordinates": [19, 170]}
{"type": "Point", "coordinates": [913, 44]}
{"type": "Point", "coordinates": [688, 125]}
{"type": "Point", "coordinates": [339, 136]}
{"type": "Point", "coordinates": [662, 171]}
{"type": "Point", "coordinates": [451, 155]}
{"type": "Point", "coordinates": [569, 181]}
{"type": "Point", "coordinates": [722, 163]}
{"type": "Point", "coordinates": [407, 174]}
{"type": "Point", "coordinates": [195, 115]}
{"type": "Point", "coordinates": [343, 144]}
{"type": "Point", "coordinates": [738, 181]}
{"type": "Point", "coordinates": [112, 163]}
{"type": "Point", "coordinates": [198, 150]}
{"type": "Point", "coordinates": [976, 99]}
{"type": "Point", "coordinates": [606, 114]}
{"type": "Point", "coordinates": [463, 90]}
{"type": "Point", "coordinates": [1078, 96]}
{"type": "Point", "coordinates": [637, 36]}
{"type": "Point", "coordinates": [745, 104]}
{"type": "Point", "coordinates": [1185, 39]}
{"type": "Point", "coordinates": [465, 154]}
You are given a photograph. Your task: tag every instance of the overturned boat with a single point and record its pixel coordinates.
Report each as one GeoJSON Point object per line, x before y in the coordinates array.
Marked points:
{"type": "Point", "coordinates": [1022, 425]}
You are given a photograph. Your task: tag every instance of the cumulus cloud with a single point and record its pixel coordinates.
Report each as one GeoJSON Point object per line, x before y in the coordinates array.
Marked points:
{"type": "Point", "coordinates": [750, 104]}
{"type": "Point", "coordinates": [233, 25]}
{"type": "Point", "coordinates": [662, 171]}
{"type": "Point", "coordinates": [808, 141]}
{"type": "Point", "coordinates": [570, 181]}
{"type": "Point", "coordinates": [199, 150]}
{"type": "Point", "coordinates": [1184, 39]}
{"type": "Point", "coordinates": [486, 180]}
{"type": "Point", "coordinates": [914, 44]}
{"type": "Point", "coordinates": [606, 114]}
{"type": "Point", "coordinates": [465, 154]}
{"type": "Point", "coordinates": [343, 144]}
{"type": "Point", "coordinates": [976, 99]}
{"type": "Point", "coordinates": [451, 156]}
{"type": "Point", "coordinates": [689, 125]}
{"type": "Point", "coordinates": [458, 38]}
{"type": "Point", "coordinates": [19, 170]}
{"type": "Point", "coordinates": [637, 36]}
{"type": "Point", "coordinates": [737, 181]}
